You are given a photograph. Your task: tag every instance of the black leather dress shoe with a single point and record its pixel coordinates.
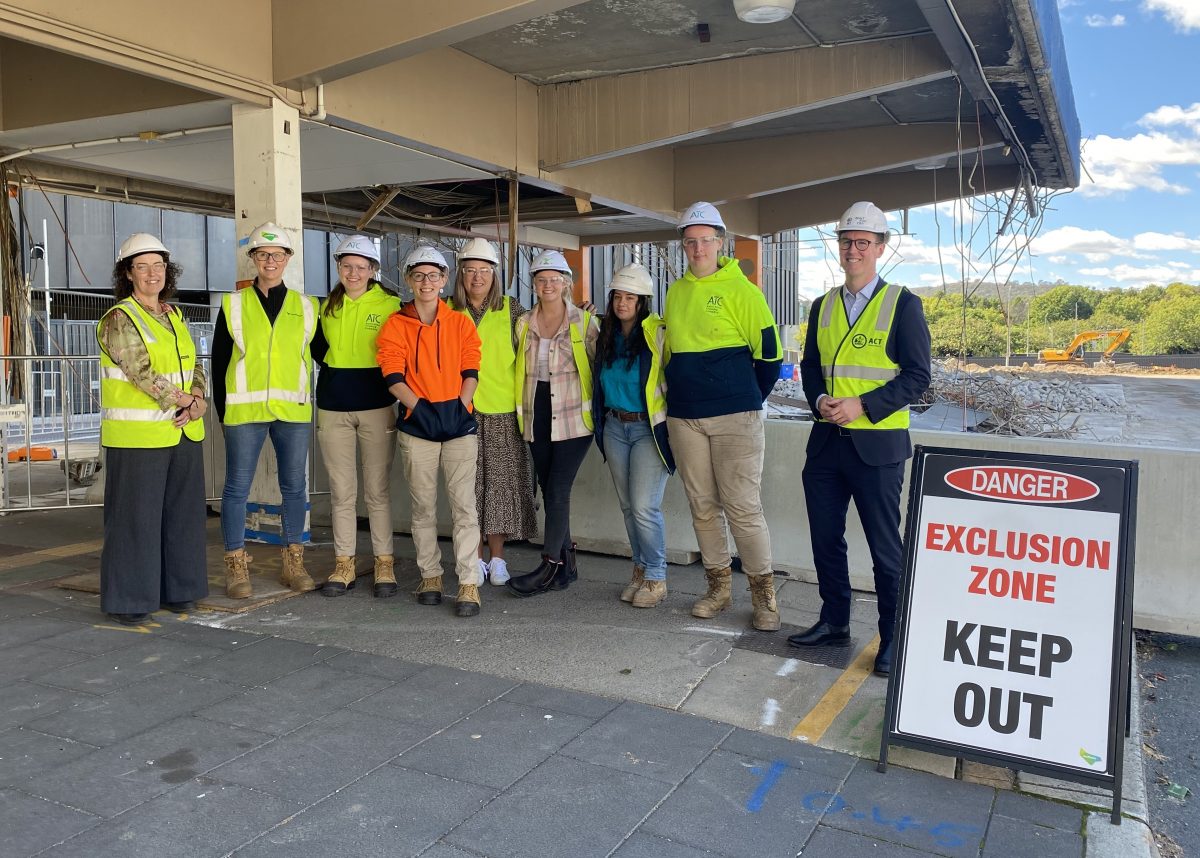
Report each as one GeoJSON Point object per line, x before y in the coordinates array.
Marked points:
{"type": "Point", "coordinates": [822, 634]}
{"type": "Point", "coordinates": [129, 619]}
{"type": "Point", "coordinates": [179, 607]}
{"type": "Point", "coordinates": [883, 661]}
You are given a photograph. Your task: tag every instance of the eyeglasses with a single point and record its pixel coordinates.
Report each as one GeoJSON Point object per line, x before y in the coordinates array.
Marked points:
{"type": "Point", "coordinates": [860, 244]}
{"type": "Point", "coordinates": [264, 255]}
{"type": "Point", "coordinates": [703, 241]}
{"type": "Point", "coordinates": [147, 267]}
{"type": "Point", "coordinates": [548, 281]}
{"type": "Point", "coordinates": [353, 269]}
{"type": "Point", "coordinates": [423, 276]}
{"type": "Point", "coordinates": [472, 272]}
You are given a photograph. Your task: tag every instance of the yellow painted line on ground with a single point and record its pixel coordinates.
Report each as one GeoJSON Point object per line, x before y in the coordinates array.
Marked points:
{"type": "Point", "coordinates": [813, 726]}
{"type": "Point", "coordinates": [141, 630]}
{"type": "Point", "coordinates": [28, 558]}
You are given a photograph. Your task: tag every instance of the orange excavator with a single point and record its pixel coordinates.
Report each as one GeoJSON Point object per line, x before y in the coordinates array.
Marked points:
{"type": "Point", "coordinates": [1074, 352]}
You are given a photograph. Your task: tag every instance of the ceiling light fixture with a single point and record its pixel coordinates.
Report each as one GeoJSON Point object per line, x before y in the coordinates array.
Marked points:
{"type": "Point", "coordinates": [763, 11]}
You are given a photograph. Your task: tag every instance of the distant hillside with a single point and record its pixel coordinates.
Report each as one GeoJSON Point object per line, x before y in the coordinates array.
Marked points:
{"type": "Point", "coordinates": [988, 290]}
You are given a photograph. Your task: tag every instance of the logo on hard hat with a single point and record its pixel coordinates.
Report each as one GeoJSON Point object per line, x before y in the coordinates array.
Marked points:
{"type": "Point", "coordinates": [269, 236]}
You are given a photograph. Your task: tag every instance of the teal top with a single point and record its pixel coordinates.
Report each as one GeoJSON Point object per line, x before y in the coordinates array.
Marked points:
{"type": "Point", "coordinates": [622, 382]}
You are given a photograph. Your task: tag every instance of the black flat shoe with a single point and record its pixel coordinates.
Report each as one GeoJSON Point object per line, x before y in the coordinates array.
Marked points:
{"type": "Point", "coordinates": [179, 607]}
{"type": "Point", "coordinates": [883, 661]}
{"type": "Point", "coordinates": [539, 580]}
{"type": "Point", "coordinates": [822, 634]}
{"type": "Point", "coordinates": [129, 619]}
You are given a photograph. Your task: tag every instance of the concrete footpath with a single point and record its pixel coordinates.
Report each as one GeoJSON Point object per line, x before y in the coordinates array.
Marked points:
{"type": "Point", "coordinates": [569, 724]}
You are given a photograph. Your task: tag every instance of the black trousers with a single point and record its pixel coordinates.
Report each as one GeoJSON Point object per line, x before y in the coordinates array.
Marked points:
{"type": "Point", "coordinates": [832, 478]}
{"type": "Point", "coordinates": [556, 463]}
{"type": "Point", "coordinates": [154, 528]}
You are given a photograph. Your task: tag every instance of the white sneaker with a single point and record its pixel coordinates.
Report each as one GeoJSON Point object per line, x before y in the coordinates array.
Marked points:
{"type": "Point", "coordinates": [498, 571]}
{"type": "Point", "coordinates": [483, 571]}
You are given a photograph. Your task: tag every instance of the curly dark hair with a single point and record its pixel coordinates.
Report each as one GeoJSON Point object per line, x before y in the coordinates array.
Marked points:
{"type": "Point", "coordinates": [610, 325]}
{"type": "Point", "coordinates": [122, 285]}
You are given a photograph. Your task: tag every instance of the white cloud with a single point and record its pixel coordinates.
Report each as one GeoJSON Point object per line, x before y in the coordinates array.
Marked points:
{"type": "Point", "coordinates": [1173, 114]}
{"type": "Point", "coordinates": [1139, 274]}
{"type": "Point", "coordinates": [1159, 241]}
{"type": "Point", "coordinates": [1094, 245]}
{"type": "Point", "coordinates": [1184, 15]}
{"type": "Point", "coordinates": [1102, 21]}
{"type": "Point", "coordinates": [1116, 164]}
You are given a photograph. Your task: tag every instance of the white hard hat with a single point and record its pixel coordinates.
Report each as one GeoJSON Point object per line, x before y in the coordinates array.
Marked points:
{"type": "Point", "coordinates": [701, 214]}
{"type": "Point", "coordinates": [863, 216]}
{"type": "Point", "coordinates": [357, 245]}
{"type": "Point", "coordinates": [141, 242]}
{"type": "Point", "coordinates": [480, 248]}
{"type": "Point", "coordinates": [634, 279]}
{"type": "Point", "coordinates": [269, 235]}
{"type": "Point", "coordinates": [549, 260]}
{"type": "Point", "coordinates": [424, 254]}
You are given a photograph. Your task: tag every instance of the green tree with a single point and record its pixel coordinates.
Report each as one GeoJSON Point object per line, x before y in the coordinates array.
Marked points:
{"type": "Point", "coordinates": [1171, 327]}
{"type": "Point", "coordinates": [1063, 302]}
{"type": "Point", "coordinates": [1125, 304]}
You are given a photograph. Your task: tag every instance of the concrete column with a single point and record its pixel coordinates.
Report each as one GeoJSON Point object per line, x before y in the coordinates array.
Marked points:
{"type": "Point", "coordinates": [581, 265]}
{"type": "Point", "coordinates": [749, 255]}
{"type": "Point", "coordinates": [266, 187]}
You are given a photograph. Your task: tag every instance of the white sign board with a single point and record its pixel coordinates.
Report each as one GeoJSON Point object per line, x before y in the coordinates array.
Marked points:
{"type": "Point", "coordinates": [1015, 581]}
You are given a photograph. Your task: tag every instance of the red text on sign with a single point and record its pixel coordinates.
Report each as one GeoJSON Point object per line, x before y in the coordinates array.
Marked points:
{"type": "Point", "coordinates": [1029, 586]}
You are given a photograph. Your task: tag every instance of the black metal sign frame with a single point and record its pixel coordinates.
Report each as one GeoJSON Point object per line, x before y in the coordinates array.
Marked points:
{"type": "Point", "coordinates": [1122, 620]}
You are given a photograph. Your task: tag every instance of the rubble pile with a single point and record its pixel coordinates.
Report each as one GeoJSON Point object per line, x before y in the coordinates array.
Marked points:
{"type": "Point", "coordinates": [1018, 405]}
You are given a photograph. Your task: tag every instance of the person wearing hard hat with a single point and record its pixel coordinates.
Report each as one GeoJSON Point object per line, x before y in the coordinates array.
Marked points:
{"type": "Point", "coordinates": [429, 356]}
{"type": "Point", "coordinates": [630, 409]}
{"type": "Point", "coordinates": [503, 477]}
{"type": "Point", "coordinates": [356, 414]}
{"type": "Point", "coordinates": [262, 370]}
{"type": "Point", "coordinates": [556, 343]}
{"type": "Point", "coordinates": [866, 359]}
{"type": "Point", "coordinates": [724, 360]}
{"type": "Point", "coordinates": [151, 427]}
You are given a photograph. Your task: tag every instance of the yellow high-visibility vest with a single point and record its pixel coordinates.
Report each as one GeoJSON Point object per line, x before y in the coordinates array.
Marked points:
{"type": "Point", "coordinates": [497, 361]}
{"type": "Point", "coordinates": [130, 417]}
{"type": "Point", "coordinates": [854, 357]}
{"type": "Point", "coordinates": [582, 364]}
{"type": "Point", "coordinates": [269, 377]}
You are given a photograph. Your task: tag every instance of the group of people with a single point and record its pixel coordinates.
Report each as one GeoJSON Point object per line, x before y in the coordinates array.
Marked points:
{"type": "Point", "coordinates": [494, 397]}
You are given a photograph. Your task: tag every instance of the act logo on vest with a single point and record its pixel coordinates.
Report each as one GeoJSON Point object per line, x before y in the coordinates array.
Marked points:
{"type": "Point", "coordinates": [373, 321]}
{"type": "Point", "coordinates": [862, 341]}
{"type": "Point", "coordinates": [713, 305]}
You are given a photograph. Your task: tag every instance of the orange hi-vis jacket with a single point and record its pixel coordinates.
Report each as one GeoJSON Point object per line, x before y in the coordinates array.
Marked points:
{"type": "Point", "coordinates": [432, 360]}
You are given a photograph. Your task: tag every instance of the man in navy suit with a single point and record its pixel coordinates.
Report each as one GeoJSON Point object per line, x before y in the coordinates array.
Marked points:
{"type": "Point", "coordinates": [866, 359]}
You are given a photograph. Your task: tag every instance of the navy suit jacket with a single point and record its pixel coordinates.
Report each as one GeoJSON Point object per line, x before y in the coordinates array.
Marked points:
{"type": "Point", "coordinates": [908, 345]}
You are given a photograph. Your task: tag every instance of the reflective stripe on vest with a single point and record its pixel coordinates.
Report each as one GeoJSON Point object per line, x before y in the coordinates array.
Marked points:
{"type": "Point", "coordinates": [268, 376]}
{"type": "Point", "coordinates": [655, 331]}
{"type": "Point", "coordinates": [854, 359]}
{"type": "Point", "coordinates": [497, 363]}
{"type": "Point", "coordinates": [582, 365]}
{"type": "Point", "coordinates": [130, 417]}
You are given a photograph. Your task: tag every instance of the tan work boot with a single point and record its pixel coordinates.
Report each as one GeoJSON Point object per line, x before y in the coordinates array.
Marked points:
{"type": "Point", "coordinates": [468, 600]}
{"type": "Point", "coordinates": [342, 578]}
{"type": "Point", "coordinates": [719, 595]}
{"type": "Point", "coordinates": [237, 574]}
{"type": "Point", "coordinates": [762, 597]}
{"type": "Point", "coordinates": [650, 594]}
{"type": "Point", "coordinates": [429, 592]}
{"type": "Point", "coordinates": [385, 577]}
{"type": "Point", "coordinates": [639, 575]}
{"type": "Point", "coordinates": [294, 574]}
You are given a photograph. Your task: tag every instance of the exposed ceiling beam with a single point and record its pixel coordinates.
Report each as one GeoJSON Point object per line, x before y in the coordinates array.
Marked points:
{"type": "Point", "coordinates": [308, 51]}
{"type": "Point", "coordinates": [890, 191]}
{"type": "Point", "coordinates": [722, 172]}
{"type": "Point", "coordinates": [599, 118]}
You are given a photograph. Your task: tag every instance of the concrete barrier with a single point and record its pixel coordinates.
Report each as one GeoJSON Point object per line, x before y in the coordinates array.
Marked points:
{"type": "Point", "coordinates": [1166, 589]}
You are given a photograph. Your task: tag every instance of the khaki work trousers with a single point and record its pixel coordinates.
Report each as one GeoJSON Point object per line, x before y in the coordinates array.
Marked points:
{"type": "Point", "coordinates": [456, 459]}
{"type": "Point", "coordinates": [343, 436]}
{"type": "Point", "coordinates": [720, 460]}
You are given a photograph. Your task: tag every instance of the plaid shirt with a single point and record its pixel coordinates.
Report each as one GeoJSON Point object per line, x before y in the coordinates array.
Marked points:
{"type": "Point", "coordinates": [565, 389]}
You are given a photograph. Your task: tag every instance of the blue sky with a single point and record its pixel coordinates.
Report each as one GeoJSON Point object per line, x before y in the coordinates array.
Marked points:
{"type": "Point", "coordinates": [1135, 70]}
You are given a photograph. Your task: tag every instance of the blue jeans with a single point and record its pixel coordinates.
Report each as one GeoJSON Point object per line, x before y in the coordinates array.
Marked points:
{"type": "Point", "coordinates": [242, 445]}
{"type": "Point", "coordinates": [640, 478]}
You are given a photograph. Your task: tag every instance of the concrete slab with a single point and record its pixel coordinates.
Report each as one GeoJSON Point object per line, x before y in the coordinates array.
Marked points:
{"type": "Point", "coordinates": [562, 809]}
{"type": "Point", "coordinates": [23, 702]}
{"type": "Point", "coordinates": [32, 824]}
{"type": "Point", "coordinates": [858, 728]}
{"type": "Point", "coordinates": [760, 692]}
{"type": "Point", "coordinates": [1008, 837]}
{"type": "Point", "coordinates": [1130, 839]}
{"type": "Point", "coordinates": [24, 753]}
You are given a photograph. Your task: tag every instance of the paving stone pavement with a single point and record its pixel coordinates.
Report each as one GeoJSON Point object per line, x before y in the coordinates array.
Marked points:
{"type": "Point", "coordinates": [185, 740]}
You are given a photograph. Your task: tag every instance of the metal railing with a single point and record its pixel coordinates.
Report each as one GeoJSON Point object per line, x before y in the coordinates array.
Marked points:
{"type": "Point", "coordinates": [50, 454]}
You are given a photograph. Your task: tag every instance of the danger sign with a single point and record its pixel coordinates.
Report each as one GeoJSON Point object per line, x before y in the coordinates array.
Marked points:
{"type": "Point", "coordinates": [1013, 637]}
